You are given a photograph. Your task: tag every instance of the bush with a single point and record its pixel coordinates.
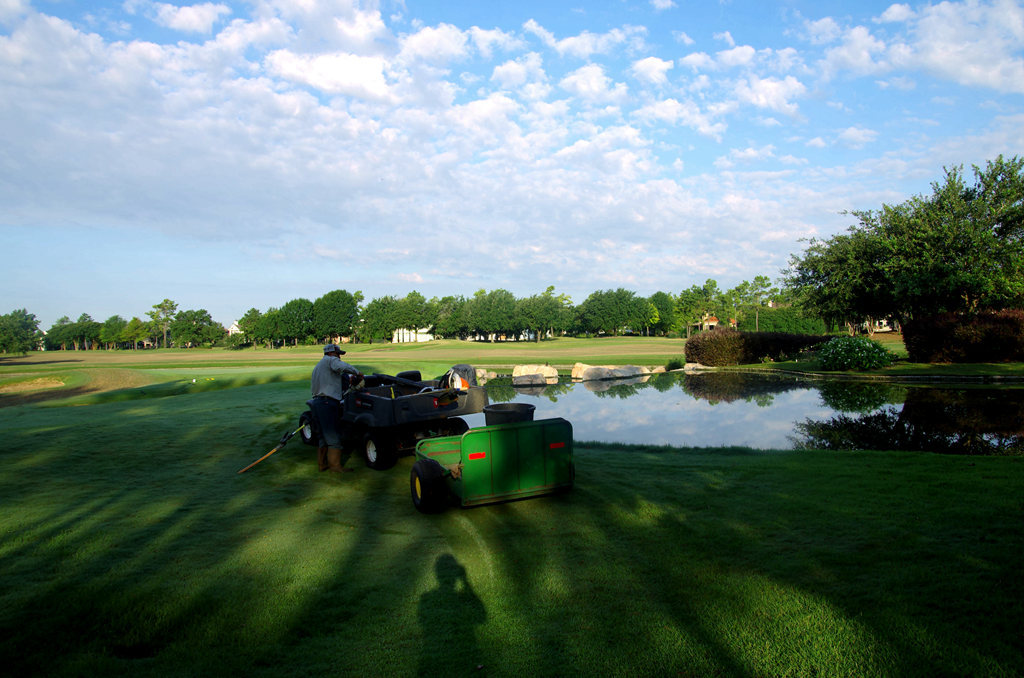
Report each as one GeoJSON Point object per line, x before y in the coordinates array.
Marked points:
{"type": "Point", "coordinates": [854, 353]}
{"type": "Point", "coordinates": [723, 346]}
{"type": "Point", "coordinates": [674, 364]}
{"type": "Point", "coordinates": [720, 346]}
{"type": "Point", "coordinates": [993, 336]}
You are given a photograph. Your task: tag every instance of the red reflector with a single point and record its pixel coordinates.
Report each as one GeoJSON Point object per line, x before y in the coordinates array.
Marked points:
{"type": "Point", "coordinates": [435, 403]}
{"type": "Point", "coordinates": [477, 455]}
{"type": "Point", "coordinates": [555, 446]}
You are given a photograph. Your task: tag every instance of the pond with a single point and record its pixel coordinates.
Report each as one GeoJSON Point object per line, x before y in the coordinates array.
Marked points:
{"type": "Point", "coordinates": [721, 409]}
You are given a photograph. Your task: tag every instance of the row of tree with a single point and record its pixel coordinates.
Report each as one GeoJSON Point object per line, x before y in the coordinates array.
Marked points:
{"type": "Point", "coordinates": [499, 315]}
{"type": "Point", "coordinates": [959, 250]}
{"type": "Point", "coordinates": [492, 315]}
{"type": "Point", "coordinates": [185, 328]}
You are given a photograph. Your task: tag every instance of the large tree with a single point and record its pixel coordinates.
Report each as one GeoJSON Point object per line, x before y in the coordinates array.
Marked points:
{"type": "Point", "coordinates": [494, 314]}
{"type": "Point", "coordinates": [135, 331]}
{"type": "Point", "coordinates": [19, 331]}
{"type": "Point", "coordinates": [451, 319]}
{"type": "Point", "coordinates": [412, 312]}
{"type": "Point", "coordinates": [192, 328]}
{"type": "Point", "coordinates": [112, 330]}
{"type": "Point", "coordinates": [162, 315]}
{"type": "Point", "coordinates": [380, 319]}
{"type": "Point", "coordinates": [335, 314]}
{"type": "Point", "coordinates": [297, 320]}
{"type": "Point", "coordinates": [85, 332]}
{"type": "Point", "coordinates": [960, 250]}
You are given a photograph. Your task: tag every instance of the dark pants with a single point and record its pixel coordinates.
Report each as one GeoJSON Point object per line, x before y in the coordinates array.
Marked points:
{"type": "Point", "coordinates": [327, 412]}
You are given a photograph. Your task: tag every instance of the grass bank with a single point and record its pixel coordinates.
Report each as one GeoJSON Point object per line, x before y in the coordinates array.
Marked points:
{"type": "Point", "coordinates": [130, 546]}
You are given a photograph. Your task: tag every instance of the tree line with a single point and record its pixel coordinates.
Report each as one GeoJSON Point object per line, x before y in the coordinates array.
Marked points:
{"type": "Point", "coordinates": [495, 315]}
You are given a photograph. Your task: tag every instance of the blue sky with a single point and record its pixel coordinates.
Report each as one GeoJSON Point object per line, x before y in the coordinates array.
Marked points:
{"type": "Point", "coordinates": [231, 155]}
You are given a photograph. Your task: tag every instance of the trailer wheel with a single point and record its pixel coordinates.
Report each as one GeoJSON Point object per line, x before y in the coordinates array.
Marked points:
{"type": "Point", "coordinates": [426, 484]}
{"type": "Point", "coordinates": [307, 432]}
{"type": "Point", "coordinates": [379, 450]}
{"type": "Point", "coordinates": [456, 426]}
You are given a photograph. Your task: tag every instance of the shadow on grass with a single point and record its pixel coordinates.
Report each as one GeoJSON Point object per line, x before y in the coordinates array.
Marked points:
{"type": "Point", "coordinates": [130, 546]}
{"type": "Point", "coordinates": [23, 360]}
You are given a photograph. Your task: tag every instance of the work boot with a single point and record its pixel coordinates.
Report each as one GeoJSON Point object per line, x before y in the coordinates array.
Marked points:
{"type": "Point", "coordinates": [321, 457]}
{"type": "Point", "coordinates": [334, 460]}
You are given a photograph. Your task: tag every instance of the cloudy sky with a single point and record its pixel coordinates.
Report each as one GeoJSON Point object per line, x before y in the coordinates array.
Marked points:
{"type": "Point", "coordinates": [237, 154]}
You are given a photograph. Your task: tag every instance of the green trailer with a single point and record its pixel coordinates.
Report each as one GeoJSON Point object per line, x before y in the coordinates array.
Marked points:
{"type": "Point", "coordinates": [493, 463]}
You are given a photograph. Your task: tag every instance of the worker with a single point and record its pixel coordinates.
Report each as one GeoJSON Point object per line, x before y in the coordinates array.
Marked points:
{"type": "Point", "coordinates": [331, 377]}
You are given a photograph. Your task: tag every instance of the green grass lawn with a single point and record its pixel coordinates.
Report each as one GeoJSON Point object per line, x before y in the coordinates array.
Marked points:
{"type": "Point", "coordinates": [130, 546]}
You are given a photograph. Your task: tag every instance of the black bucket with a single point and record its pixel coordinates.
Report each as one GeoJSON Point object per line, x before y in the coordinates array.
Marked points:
{"type": "Point", "coordinates": [508, 413]}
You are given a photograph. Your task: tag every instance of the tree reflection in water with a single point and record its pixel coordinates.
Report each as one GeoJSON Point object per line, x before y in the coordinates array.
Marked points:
{"type": "Point", "coordinates": [951, 419]}
{"type": "Point", "coordinates": [944, 420]}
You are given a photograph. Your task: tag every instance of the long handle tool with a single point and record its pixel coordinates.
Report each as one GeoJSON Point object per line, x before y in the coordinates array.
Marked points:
{"type": "Point", "coordinates": [284, 439]}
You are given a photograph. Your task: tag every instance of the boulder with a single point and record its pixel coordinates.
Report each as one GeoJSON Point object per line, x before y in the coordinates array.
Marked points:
{"type": "Point", "coordinates": [525, 375]}
{"type": "Point", "coordinates": [529, 380]}
{"type": "Point", "coordinates": [483, 376]}
{"type": "Point", "coordinates": [584, 372]}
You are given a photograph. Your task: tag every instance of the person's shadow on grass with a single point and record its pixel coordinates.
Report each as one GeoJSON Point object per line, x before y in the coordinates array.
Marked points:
{"type": "Point", "coordinates": [448, 617]}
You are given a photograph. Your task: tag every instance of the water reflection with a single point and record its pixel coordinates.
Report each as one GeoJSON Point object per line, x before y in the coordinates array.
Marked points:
{"type": "Point", "coordinates": [778, 412]}
{"type": "Point", "coordinates": [950, 421]}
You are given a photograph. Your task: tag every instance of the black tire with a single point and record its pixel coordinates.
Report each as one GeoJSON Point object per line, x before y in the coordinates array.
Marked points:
{"type": "Point", "coordinates": [427, 486]}
{"type": "Point", "coordinates": [455, 426]}
{"type": "Point", "coordinates": [379, 450]}
{"type": "Point", "coordinates": [308, 431]}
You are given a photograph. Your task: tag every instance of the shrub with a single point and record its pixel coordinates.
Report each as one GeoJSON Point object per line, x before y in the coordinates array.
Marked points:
{"type": "Point", "coordinates": [993, 336]}
{"type": "Point", "coordinates": [854, 353]}
{"type": "Point", "coordinates": [720, 346]}
{"type": "Point", "coordinates": [769, 346]}
{"type": "Point", "coordinates": [674, 364]}
{"type": "Point", "coordinates": [723, 346]}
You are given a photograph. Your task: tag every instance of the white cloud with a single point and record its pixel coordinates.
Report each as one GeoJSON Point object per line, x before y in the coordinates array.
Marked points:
{"type": "Point", "coordinates": [973, 43]}
{"type": "Point", "coordinates": [899, 82]}
{"type": "Point", "coordinates": [661, 5]}
{"type": "Point", "coordinates": [737, 56]}
{"type": "Point", "coordinates": [697, 61]}
{"type": "Point", "coordinates": [857, 137]}
{"type": "Point", "coordinates": [745, 156]}
{"type": "Point", "coordinates": [682, 37]}
{"type": "Point", "coordinates": [816, 142]}
{"type": "Point", "coordinates": [520, 72]}
{"type": "Point", "coordinates": [192, 18]}
{"type": "Point", "coordinates": [435, 45]}
{"type": "Point", "coordinates": [860, 53]}
{"type": "Point", "coordinates": [487, 41]}
{"type": "Point", "coordinates": [587, 44]}
{"type": "Point", "coordinates": [771, 93]}
{"type": "Point", "coordinates": [896, 13]}
{"type": "Point", "coordinates": [12, 9]}
{"type": "Point", "coordinates": [591, 84]}
{"type": "Point", "coordinates": [332, 73]}
{"type": "Point", "coordinates": [725, 37]}
{"type": "Point", "coordinates": [822, 31]}
{"type": "Point", "coordinates": [685, 113]}
{"type": "Point", "coordinates": [652, 69]}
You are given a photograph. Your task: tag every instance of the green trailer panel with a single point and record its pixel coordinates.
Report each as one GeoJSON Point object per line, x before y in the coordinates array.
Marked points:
{"type": "Point", "coordinates": [506, 461]}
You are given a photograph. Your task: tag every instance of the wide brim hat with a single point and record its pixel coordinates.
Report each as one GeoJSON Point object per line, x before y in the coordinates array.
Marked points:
{"type": "Point", "coordinates": [333, 348]}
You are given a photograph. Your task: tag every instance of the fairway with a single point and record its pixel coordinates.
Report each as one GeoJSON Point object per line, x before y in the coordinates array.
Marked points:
{"type": "Point", "coordinates": [131, 546]}
{"type": "Point", "coordinates": [90, 376]}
